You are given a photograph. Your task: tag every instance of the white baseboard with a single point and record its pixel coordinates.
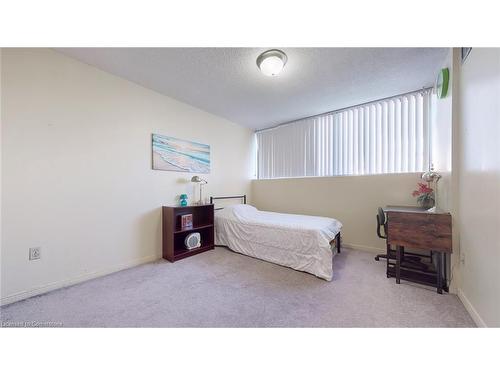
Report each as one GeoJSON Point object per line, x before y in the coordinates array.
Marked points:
{"type": "Point", "coordinates": [471, 310]}
{"type": "Point", "coordinates": [76, 280]}
{"type": "Point", "coordinates": [370, 249]}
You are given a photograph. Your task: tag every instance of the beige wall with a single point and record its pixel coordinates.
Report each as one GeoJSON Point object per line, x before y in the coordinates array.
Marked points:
{"type": "Point", "coordinates": [351, 199]}
{"type": "Point", "coordinates": [76, 169]}
{"type": "Point", "coordinates": [478, 155]}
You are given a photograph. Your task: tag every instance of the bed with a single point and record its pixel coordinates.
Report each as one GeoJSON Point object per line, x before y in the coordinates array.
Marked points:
{"type": "Point", "coordinates": [301, 242]}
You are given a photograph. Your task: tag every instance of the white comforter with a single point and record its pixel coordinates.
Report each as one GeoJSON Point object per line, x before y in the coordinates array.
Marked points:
{"type": "Point", "coordinates": [297, 241]}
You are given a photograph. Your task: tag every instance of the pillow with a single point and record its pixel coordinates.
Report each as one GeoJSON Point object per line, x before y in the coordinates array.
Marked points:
{"type": "Point", "coordinates": [236, 210]}
{"type": "Point", "coordinates": [243, 208]}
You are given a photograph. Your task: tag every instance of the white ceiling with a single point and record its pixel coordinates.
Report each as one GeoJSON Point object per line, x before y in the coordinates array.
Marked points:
{"type": "Point", "coordinates": [227, 82]}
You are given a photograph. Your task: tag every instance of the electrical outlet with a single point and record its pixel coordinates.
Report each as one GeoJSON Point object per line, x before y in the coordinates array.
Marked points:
{"type": "Point", "coordinates": [35, 253]}
{"type": "Point", "coordinates": [462, 257]}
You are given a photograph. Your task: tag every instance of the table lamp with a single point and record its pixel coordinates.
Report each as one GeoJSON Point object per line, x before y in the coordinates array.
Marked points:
{"type": "Point", "coordinates": [201, 181]}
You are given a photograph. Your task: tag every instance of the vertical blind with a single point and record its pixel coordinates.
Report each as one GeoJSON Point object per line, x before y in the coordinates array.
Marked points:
{"type": "Point", "coordinates": [386, 136]}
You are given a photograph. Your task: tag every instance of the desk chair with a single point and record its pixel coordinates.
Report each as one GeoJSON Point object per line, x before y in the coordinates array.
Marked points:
{"type": "Point", "coordinates": [382, 223]}
{"type": "Point", "coordinates": [390, 254]}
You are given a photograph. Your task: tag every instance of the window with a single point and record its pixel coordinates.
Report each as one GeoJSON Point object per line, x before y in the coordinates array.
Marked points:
{"type": "Point", "coordinates": [386, 136]}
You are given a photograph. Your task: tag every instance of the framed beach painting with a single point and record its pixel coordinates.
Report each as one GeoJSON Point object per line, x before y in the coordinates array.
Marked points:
{"type": "Point", "coordinates": [173, 154]}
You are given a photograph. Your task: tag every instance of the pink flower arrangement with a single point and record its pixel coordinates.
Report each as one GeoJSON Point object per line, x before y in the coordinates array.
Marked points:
{"type": "Point", "coordinates": [422, 189]}
{"type": "Point", "coordinates": [425, 195]}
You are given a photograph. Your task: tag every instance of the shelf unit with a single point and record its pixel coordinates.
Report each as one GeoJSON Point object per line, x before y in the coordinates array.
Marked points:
{"type": "Point", "coordinates": [174, 234]}
{"type": "Point", "coordinates": [408, 271]}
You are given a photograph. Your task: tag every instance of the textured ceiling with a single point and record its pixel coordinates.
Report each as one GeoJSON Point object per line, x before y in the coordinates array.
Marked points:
{"type": "Point", "coordinates": [227, 82]}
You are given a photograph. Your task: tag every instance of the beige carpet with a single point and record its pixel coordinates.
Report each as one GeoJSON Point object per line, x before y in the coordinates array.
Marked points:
{"type": "Point", "coordinates": [220, 288]}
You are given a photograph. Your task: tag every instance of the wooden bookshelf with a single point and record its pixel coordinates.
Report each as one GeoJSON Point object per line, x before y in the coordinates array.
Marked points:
{"type": "Point", "coordinates": [174, 234]}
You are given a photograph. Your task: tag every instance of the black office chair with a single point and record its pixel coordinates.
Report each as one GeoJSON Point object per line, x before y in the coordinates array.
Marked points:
{"type": "Point", "coordinates": [382, 223]}
{"type": "Point", "coordinates": [412, 258]}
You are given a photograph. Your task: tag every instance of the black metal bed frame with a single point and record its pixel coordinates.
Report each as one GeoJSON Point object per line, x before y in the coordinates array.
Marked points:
{"type": "Point", "coordinates": [337, 242]}
{"type": "Point", "coordinates": [337, 237]}
{"type": "Point", "coordinates": [228, 197]}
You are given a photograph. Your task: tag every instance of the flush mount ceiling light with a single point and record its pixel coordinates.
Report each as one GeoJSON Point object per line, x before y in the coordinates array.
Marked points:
{"type": "Point", "coordinates": [272, 62]}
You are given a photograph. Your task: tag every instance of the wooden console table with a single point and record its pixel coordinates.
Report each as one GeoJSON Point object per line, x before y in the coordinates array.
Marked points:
{"type": "Point", "coordinates": [417, 228]}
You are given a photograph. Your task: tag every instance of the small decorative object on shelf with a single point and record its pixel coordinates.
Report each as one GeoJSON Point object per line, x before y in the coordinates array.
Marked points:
{"type": "Point", "coordinates": [425, 195]}
{"type": "Point", "coordinates": [187, 221]}
{"type": "Point", "coordinates": [183, 200]}
{"type": "Point", "coordinates": [192, 241]}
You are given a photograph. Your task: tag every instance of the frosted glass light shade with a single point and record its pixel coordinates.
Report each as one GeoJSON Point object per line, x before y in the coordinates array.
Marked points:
{"type": "Point", "coordinates": [271, 66]}
{"type": "Point", "coordinates": [271, 62]}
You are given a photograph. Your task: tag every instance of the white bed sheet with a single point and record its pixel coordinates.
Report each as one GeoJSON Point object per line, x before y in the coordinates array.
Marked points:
{"type": "Point", "coordinates": [300, 242]}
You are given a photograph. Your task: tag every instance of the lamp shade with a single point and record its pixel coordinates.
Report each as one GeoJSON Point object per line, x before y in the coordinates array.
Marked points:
{"type": "Point", "coordinates": [271, 62]}
{"type": "Point", "coordinates": [183, 196]}
{"type": "Point", "coordinates": [198, 179]}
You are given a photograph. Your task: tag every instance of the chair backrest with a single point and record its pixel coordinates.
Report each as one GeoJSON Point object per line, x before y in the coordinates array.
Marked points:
{"type": "Point", "coordinates": [381, 222]}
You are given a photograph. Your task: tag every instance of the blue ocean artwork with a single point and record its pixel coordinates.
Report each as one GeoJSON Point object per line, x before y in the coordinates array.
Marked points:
{"type": "Point", "coordinates": [173, 154]}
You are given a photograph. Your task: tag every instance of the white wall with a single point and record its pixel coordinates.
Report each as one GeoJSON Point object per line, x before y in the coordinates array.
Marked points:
{"type": "Point", "coordinates": [443, 131]}
{"type": "Point", "coordinates": [1, 153]}
{"type": "Point", "coordinates": [351, 199]}
{"type": "Point", "coordinates": [441, 138]}
{"type": "Point", "coordinates": [478, 154]}
{"type": "Point", "coordinates": [76, 169]}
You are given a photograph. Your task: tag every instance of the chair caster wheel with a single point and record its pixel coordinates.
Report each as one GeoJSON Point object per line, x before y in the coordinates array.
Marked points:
{"type": "Point", "coordinates": [377, 258]}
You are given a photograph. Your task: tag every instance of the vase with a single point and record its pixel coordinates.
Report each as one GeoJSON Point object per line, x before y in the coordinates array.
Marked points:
{"type": "Point", "coordinates": [184, 202]}
{"type": "Point", "coordinates": [426, 202]}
